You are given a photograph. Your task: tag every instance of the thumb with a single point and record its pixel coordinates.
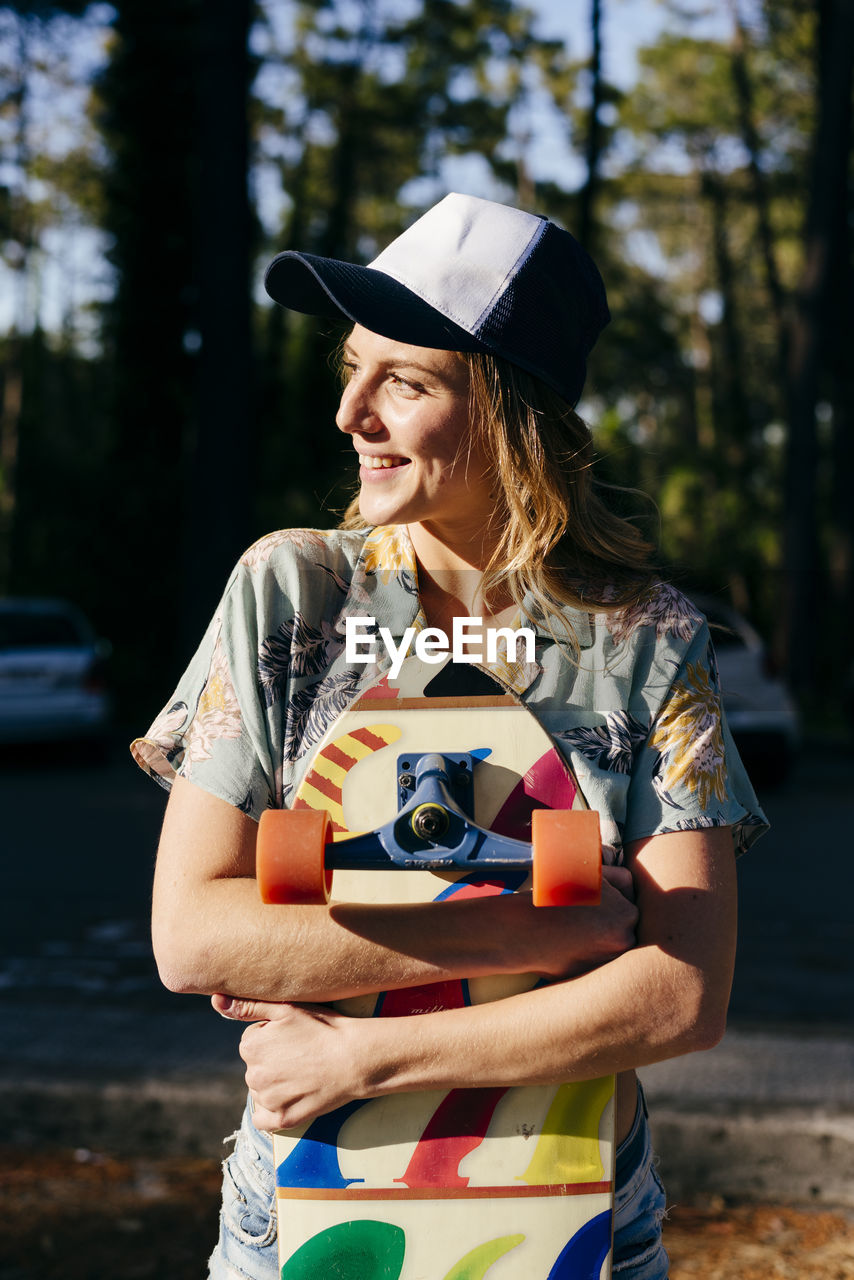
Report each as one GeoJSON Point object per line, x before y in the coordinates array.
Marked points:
{"type": "Point", "coordinates": [245, 1010]}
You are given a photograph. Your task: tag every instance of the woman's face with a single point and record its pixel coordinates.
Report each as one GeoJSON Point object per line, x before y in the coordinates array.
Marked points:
{"type": "Point", "coordinates": [407, 410]}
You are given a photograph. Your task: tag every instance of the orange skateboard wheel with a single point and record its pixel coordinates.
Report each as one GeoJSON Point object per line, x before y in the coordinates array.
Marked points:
{"type": "Point", "coordinates": [290, 856]}
{"type": "Point", "coordinates": [567, 856]}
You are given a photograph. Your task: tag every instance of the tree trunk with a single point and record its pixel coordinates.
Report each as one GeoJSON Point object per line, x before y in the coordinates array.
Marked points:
{"type": "Point", "coordinates": [149, 119]}
{"type": "Point", "coordinates": [812, 323]}
{"type": "Point", "coordinates": [11, 399]}
{"type": "Point", "coordinates": [21, 230]}
{"type": "Point", "coordinates": [733, 416]}
{"type": "Point", "coordinates": [837, 657]}
{"type": "Point", "coordinates": [743, 85]}
{"type": "Point", "coordinates": [221, 456]}
{"type": "Point", "coordinates": [593, 149]}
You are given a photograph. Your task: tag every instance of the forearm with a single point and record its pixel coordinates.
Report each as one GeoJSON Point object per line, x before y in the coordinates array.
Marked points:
{"type": "Point", "coordinates": [665, 997]}
{"type": "Point", "coordinates": [640, 1008]}
{"type": "Point", "coordinates": [212, 933]}
{"type": "Point", "coordinates": [226, 940]}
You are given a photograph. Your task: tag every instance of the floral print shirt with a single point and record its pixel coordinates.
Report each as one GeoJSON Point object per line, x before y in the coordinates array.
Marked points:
{"type": "Point", "coordinates": [637, 712]}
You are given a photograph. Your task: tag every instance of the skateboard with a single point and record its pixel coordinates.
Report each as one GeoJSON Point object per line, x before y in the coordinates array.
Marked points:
{"type": "Point", "coordinates": [420, 792]}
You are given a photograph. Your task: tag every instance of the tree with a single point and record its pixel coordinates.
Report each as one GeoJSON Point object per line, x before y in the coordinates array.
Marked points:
{"type": "Point", "coordinates": [360, 116]}
{"type": "Point", "coordinates": [364, 116]}
{"type": "Point", "coordinates": [173, 113]}
{"type": "Point", "coordinates": [822, 314]}
{"type": "Point", "coordinates": [223, 239]}
{"type": "Point", "coordinates": [717, 178]}
{"type": "Point", "coordinates": [593, 148]}
{"type": "Point", "coordinates": [40, 184]}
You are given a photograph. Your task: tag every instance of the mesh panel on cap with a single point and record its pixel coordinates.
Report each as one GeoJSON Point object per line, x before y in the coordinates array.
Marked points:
{"type": "Point", "coordinates": [550, 315]}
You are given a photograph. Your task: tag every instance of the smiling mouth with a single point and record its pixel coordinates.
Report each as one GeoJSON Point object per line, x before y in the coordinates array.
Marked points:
{"type": "Point", "coordinates": [372, 462]}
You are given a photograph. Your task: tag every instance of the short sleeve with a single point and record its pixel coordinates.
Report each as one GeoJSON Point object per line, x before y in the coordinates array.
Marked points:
{"type": "Point", "coordinates": [272, 671]}
{"type": "Point", "coordinates": [216, 728]}
{"type": "Point", "coordinates": [688, 774]}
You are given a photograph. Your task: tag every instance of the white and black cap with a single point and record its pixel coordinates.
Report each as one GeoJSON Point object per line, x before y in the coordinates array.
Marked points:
{"type": "Point", "coordinates": [469, 275]}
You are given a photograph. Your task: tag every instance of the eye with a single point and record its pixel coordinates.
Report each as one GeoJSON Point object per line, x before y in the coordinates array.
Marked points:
{"type": "Point", "coordinates": [405, 386]}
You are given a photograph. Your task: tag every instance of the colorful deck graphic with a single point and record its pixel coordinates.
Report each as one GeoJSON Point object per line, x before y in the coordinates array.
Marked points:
{"type": "Point", "coordinates": [506, 1184]}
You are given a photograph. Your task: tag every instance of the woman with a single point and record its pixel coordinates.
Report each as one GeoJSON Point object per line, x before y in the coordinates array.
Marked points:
{"type": "Point", "coordinates": [463, 366]}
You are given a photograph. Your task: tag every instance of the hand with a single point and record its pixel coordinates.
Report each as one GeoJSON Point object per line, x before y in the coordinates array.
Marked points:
{"type": "Point", "coordinates": [299, 1061]}
{"type": "Point", "coordinates": [620, 878]}
{"type": "Point", "coordinates": [564, 942]}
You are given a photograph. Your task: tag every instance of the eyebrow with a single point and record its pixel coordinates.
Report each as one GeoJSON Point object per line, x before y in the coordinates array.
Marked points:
{"type": "Point", "coordinates": [403, 363]}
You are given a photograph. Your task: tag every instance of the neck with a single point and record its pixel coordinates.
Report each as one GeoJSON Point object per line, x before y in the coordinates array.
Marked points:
{"type": "Point", "coordinates": [450, 577]}
{"type": "Point", "coordinates": [458, 551]}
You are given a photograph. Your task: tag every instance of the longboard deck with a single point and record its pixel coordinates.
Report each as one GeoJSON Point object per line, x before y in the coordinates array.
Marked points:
{"type": "Point", "coordinates": [448, 1184]}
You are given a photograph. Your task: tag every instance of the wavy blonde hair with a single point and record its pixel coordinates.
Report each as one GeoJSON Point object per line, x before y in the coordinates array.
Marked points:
{"type": "Point", "coordinates": [557, 540]}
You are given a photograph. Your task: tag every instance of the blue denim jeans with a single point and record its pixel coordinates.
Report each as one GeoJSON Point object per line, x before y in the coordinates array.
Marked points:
{"type": "Point", "coordinates": [247, 1247]}
{"type": "Point", "coordinates": [639, 1206]}
{"type": "Point", "coordinates": [247, 1244]}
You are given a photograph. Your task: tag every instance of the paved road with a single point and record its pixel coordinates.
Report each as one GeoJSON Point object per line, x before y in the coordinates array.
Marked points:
{"type": "Point", "coordinates": [795, 961]}
{"type": "Point", "coordinates": [79, 840]}
{"type": "Point", "coordinates": [78, 843]}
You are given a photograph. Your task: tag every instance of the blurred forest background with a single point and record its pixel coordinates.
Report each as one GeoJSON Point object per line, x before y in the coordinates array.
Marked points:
{"type": "Point", "coordinates": [158, 415]}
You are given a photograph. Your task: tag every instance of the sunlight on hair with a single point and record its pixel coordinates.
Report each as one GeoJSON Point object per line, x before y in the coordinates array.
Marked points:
{"type": "Point", "coordinates": [557, 542]}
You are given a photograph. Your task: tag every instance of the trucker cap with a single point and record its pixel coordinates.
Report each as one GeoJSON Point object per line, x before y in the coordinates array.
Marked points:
{"type": "Point", "coordinates": [469, 275]}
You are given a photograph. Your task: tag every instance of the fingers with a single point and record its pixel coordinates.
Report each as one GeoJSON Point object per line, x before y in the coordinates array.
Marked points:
{"type": "Point", "coordinates": [620, 878]}
{"type": "Point", "coordinates": [285, 1116]}
{"type": "Point", "coordinates": [266, 1121]}
{"type": "Point", "coordinates": [290, 1115]}
{"type": "Point", "coordinates": [240, 1010]}
{"type": "Point", "coordinates": [246, 1010]}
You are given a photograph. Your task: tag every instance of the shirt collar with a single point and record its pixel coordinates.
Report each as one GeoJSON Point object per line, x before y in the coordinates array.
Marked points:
{"type": "Point", "coordinates": [384, 586]}
{"type": "Point", "coordinates": [552, 626]}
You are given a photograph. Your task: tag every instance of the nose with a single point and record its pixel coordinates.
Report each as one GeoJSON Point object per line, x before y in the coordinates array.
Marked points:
{"type": "Point", "coordinates": [356, 412]}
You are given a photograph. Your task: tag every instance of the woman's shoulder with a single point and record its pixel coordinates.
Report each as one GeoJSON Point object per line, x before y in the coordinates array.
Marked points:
{"type": "Point", "coordinates": [341, 555]}
{"type": "Point", "coordinates": [291, 571]}
{"type": "Point", "coordinates": [298, 547]}
{"type": "Point", "coordinates": [314, 577]}
{"type": "Point", "coordinates": [663, 611]}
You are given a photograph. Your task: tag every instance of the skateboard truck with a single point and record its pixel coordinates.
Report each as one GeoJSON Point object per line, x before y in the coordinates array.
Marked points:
{"type": "Point", "coordinates": [432, 831]}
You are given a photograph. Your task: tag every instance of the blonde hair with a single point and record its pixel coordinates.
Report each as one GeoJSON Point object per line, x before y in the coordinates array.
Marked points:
{"type": "Point", "coordinates": [556, 539]}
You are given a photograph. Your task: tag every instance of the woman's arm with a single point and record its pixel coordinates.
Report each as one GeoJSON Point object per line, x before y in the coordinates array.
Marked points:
{"type": "Point", "coordinates": [665, 997]}
{"type": "Point", "coordinates": [212, 933]}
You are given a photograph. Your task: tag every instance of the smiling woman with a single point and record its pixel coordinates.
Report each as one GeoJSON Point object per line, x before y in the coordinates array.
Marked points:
{"type": "Point", "coordinates": [407, 411]}
{"type": "Point", "coordinates": [476, 508]}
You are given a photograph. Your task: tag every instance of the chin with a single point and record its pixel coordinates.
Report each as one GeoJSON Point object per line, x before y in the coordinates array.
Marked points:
{"type": "Point", "coordinates": [372, 516]}
{"type": "Point", "coordinates": [378, 513]}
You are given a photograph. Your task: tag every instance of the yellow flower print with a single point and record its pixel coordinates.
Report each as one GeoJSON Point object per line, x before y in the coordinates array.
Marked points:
{"type": "Point", "coordinates": [218, 713]}
{"type": "Point", "coordinates": [688, 735]}
{"type": "Point", "coordinates": [387, 551]}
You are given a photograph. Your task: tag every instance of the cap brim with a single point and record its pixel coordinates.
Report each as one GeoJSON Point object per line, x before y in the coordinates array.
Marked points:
{"type": "Point", "coordinates": [328, 287]}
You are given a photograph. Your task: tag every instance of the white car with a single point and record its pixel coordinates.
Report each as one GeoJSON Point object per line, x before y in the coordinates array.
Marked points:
{"type": "Point", "coordinates": [759, 709]}
{"type": "Point", "coordinates": [52, 685]}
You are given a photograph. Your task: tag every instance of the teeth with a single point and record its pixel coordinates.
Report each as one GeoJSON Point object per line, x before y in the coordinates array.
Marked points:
{"type": "Point", "coordinates": [377, 463]}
